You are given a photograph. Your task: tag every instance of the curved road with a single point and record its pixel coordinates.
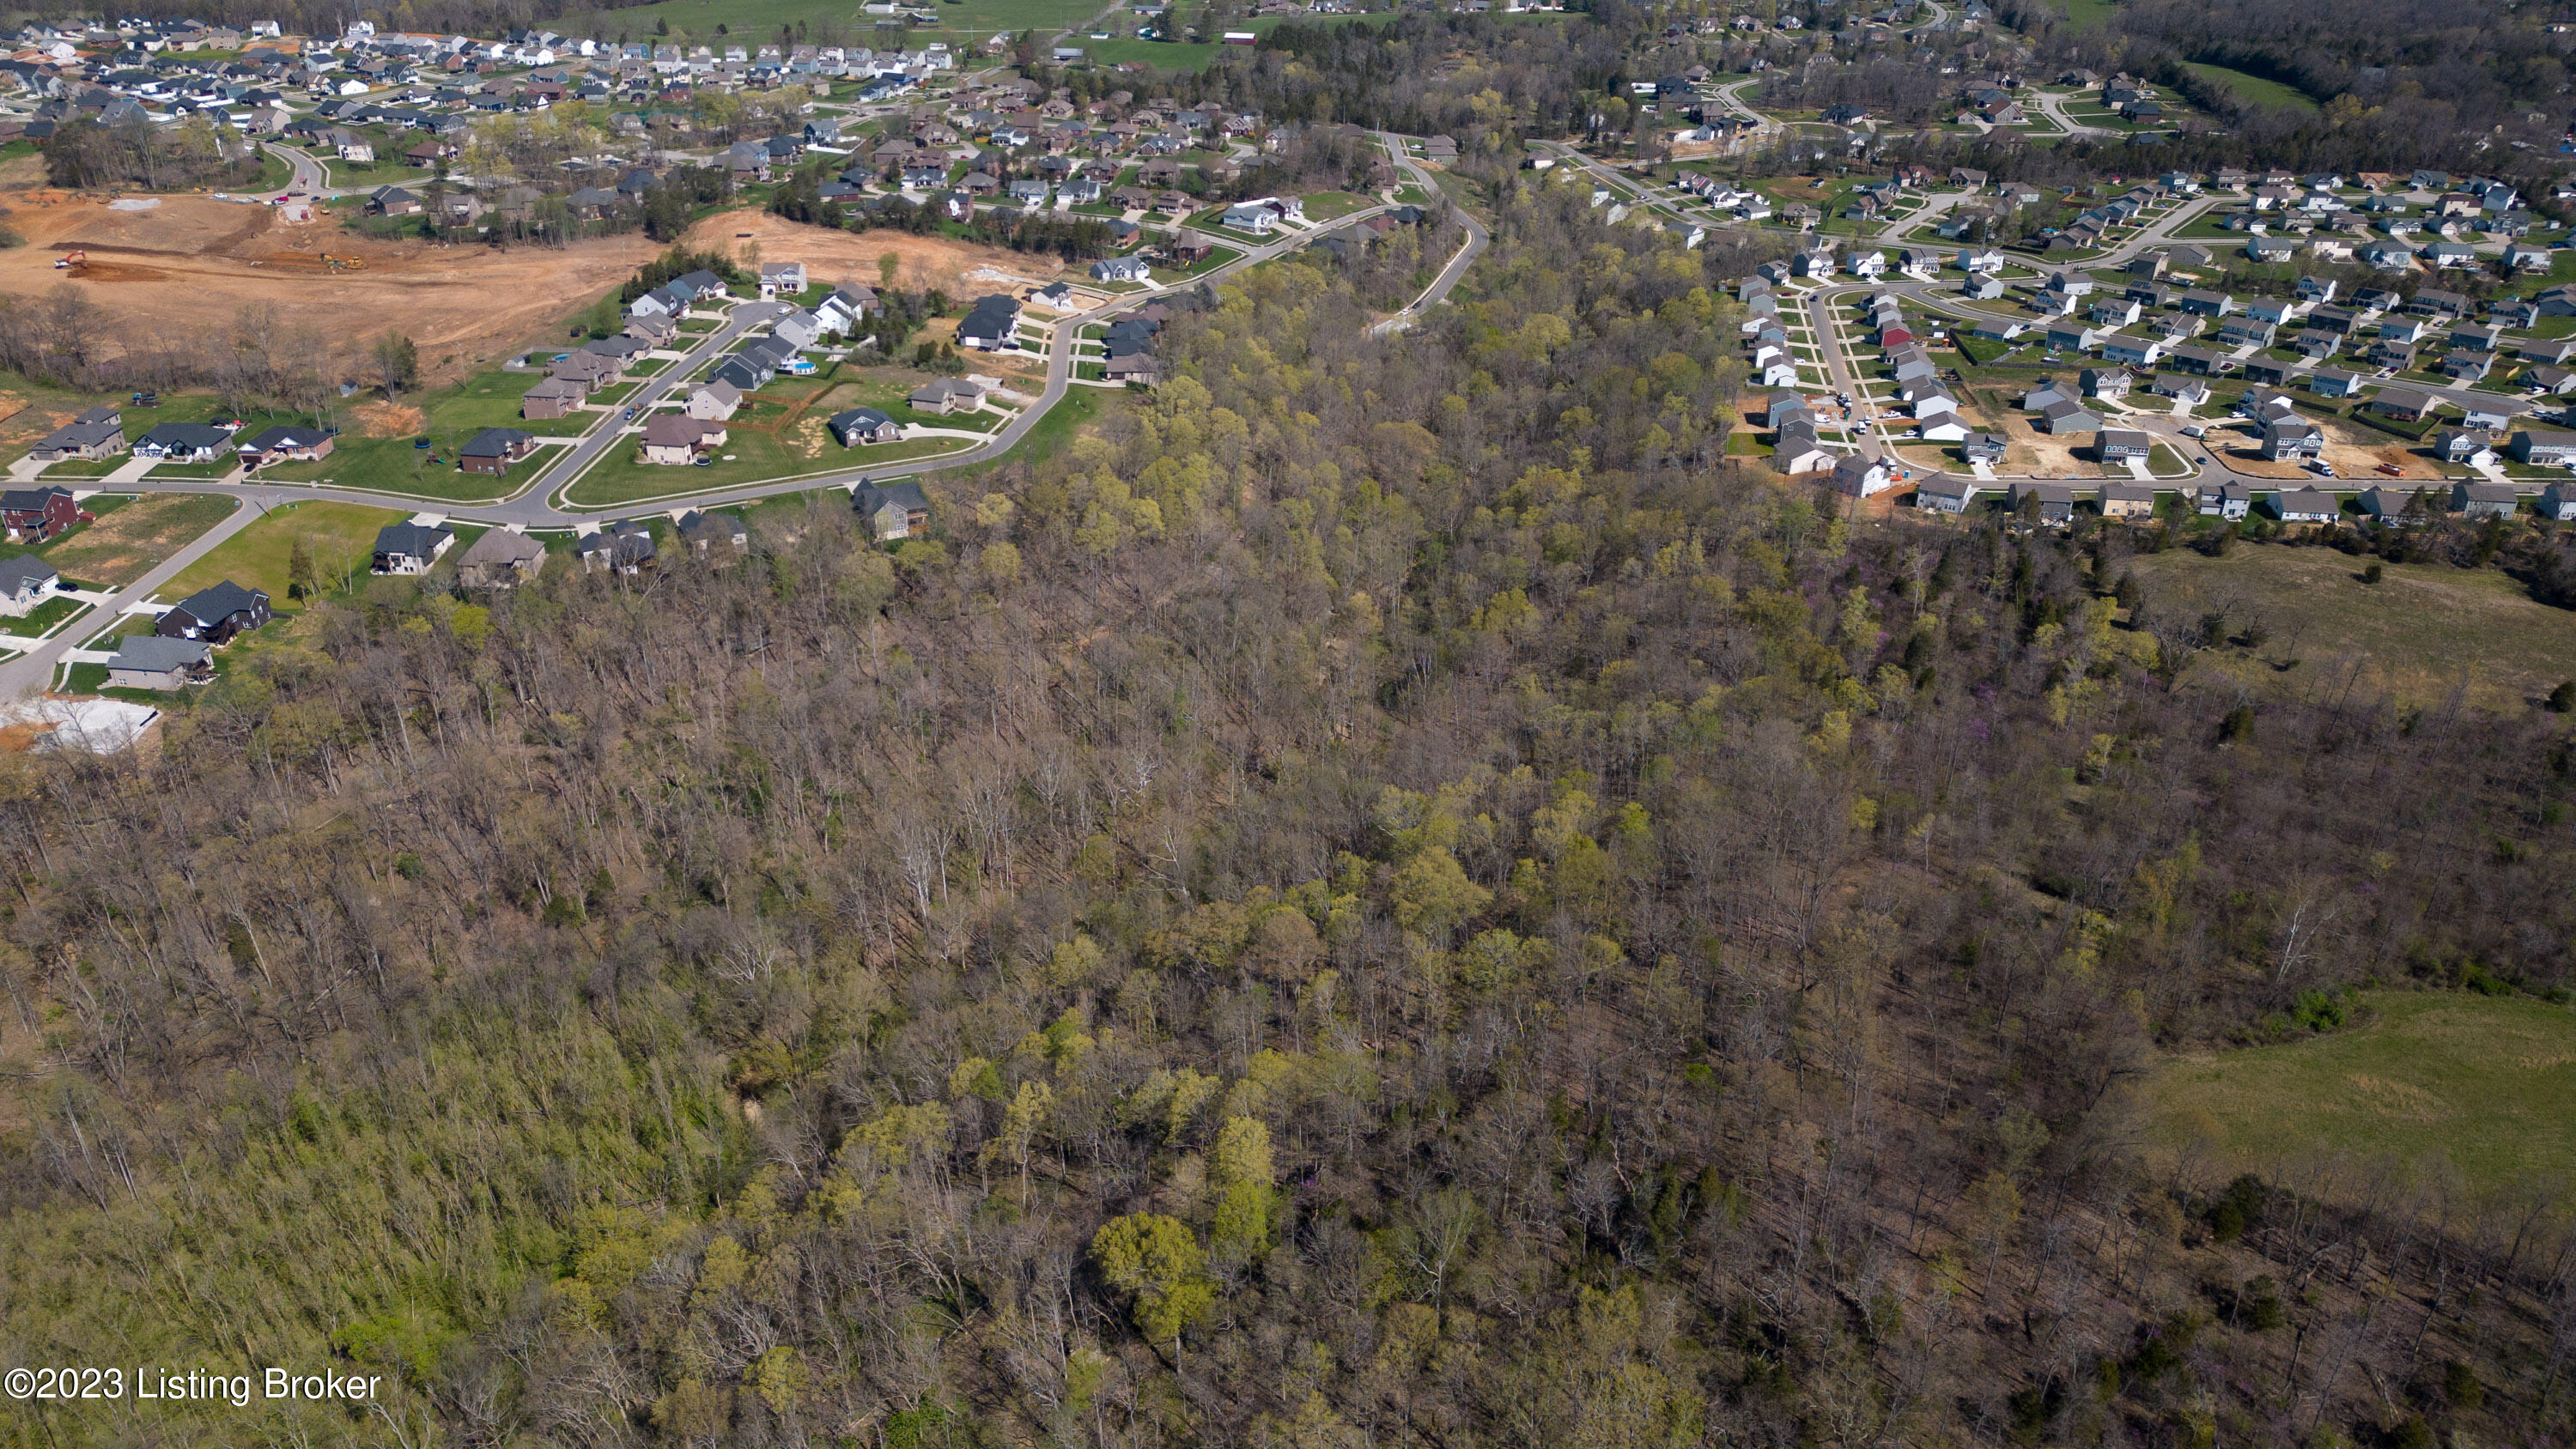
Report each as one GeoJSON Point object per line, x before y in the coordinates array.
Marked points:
{"type": "Point", "coordinates": [541, 504]}
{"type": "Point", "coordinates": [1477, 238]}
{"type": "Point", "coordinates": [311, 177]}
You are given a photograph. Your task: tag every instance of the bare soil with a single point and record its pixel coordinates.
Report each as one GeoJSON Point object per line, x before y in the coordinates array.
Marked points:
{"type": "Point", "coordinates": [921, 262]}
{"type": "Point", "coordinates": [192, 265]}
{"type": "Point", "coordinates": [391, 420]}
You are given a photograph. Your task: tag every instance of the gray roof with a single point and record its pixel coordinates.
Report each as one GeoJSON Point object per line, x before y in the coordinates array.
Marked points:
{"type": "Point", "coordinates": [157, 654]}
{"type": "Point", "coordinates": [411, 540]}
{"type": "Point", "coordinates": [17, 572]}
{"type": "Point", "coordinates": [500, 545]}
{"type": "Point", "coordinates": [218, 602]}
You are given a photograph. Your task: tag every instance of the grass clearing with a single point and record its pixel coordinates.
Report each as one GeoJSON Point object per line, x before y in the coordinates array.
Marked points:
{"type": "Point", "coordinates": [2488, 1083]}
{"type": "Point", "coordinates": [2253, 90]}
{"type": "Point", "coordinates": [124, 545]}
{"type": "Point", "coordinates": [2414, 635]}
{"type": "Point", "coordinates": [342, 536]}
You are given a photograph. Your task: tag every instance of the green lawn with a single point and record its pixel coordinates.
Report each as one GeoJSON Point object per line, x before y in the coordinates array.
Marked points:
{"type": "Point", "coordinates": [1331, 205]}
{"type": "Point", "coordinates": [393, 465]}
{"type": "Point", "coordinates": [342, 536]}
{"type": "Point", "coordinates": [491, 401]}
{"type": "Point", "coordinates": [755, 457]}
{"type": "Point", "coordinates": [42, 619]}
{"type": "Point", "coordinates": [2253, 90]}
{"type": "Point", "coordinates": [2488, 1082]}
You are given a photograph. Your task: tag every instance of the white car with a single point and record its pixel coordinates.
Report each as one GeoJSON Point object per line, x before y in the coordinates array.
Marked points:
{"type": "Point", "coordinates": [2195, 431]}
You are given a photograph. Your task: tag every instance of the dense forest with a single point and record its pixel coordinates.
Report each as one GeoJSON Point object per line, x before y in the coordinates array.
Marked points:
{"type": "Point", "coordinates": [1387, 892]}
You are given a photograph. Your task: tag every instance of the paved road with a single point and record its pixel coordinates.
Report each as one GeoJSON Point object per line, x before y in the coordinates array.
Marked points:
{"type": "Point", "coordinates": [35, 669]}
{"type": "Point", "coordinates": [540, 505]}
{"type": "Point", "coordinates": [1477, 238]}
{"type": "Point", "coordinates": [2053, 106]}
{"type": "Point", "coordinates": [744, 317]}
{"type": "Point", "coordinates": [310, 179]}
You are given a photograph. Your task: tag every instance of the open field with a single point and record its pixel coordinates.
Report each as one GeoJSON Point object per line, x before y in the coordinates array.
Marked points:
{"type": "Point", "coordinates": [124, 545]}
{"type": "Point", "coordinates": [192, 265]}
{"type": "Point", "coordinates": [2422, 629]}
{"type": "Point", "coordinates": [2256, 91]}
{"type": "Point", "coordinates": [342, 536]}
{"type": "Point", "coordinates": [2487, 1082]}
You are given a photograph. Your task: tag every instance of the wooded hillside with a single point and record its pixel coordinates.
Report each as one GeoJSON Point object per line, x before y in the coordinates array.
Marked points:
{"type": "Point", "coordinates": [1386, 894]}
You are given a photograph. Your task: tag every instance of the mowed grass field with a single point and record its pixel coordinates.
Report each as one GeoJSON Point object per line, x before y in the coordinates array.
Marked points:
{"type": "Point", "coordinates": [2487, 1082]}
{"type": "Point", "coordinates": [342, 536]}
{"type": "Point", "coordinates": [2256, 91]}
{"type": "Point", "coordinates": [2413, 635]}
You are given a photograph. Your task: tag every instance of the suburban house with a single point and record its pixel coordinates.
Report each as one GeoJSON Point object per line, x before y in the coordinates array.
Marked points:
{"type": "Point", "coordinates": [149, 661]}
{"type": "Point", "coordinates": [98, 433]}
{"type": "Point", "coordinates": [493, 450]}
{"type": "Point", "coordinates": [2227, 500]}
{"type": "Point", "coordinates": [552, 397]}
{"type": "Point", "coordinates": [702, 531]}
{"type": "Point", "coordinates": [2544, 449]}
{"type": "Point", "coordinates": [2305, 505]}
{"type": "Point", "coordinates": [865, 425]}
{"type": "Point", "coordinates": [624, 546]}
{"type": "Point", "coordinates": [24, 582]}
{"type": "Point", "coordinates": [33, 515]}
{"type": "Point", "coordinates": [285, 445]}
{"type": "Point", "coordinates": [2485, 500]}
{"type": "Point", "coordinates": [945, 395]}
{"type": "Point", "coordinates": [2558, 502]}
{"type": "Point", "coordinates": [214, 615]}
{"type": "Point", "coordinates": [1945, 494]}
{"type": "Point", "coordinates": [2050, 503]}
{"type": "Point", "coordinates": [992, 325]}
{"type": "Point", "coordinates": [2128, 500]}
{"type": "Point", "coordinates": [410, 548]}
{"type": "Point", "coordinates": [678, 440]}
{"type": "Point", "coordinates": [500, 559]}
{"type": "Point", "coordinates": [713, 401]}
{"type": "Point", "coordinates": [184, 442]}
{"type": "Point", "coordinates": [892, 510]}
{"type": "Point", "coordinates": [1121, 269]}
{"type": "Point", "coordinates": [1861, 475]}
{"type": "Point", "coordinates": [2119, 445]}
{"type": "Point", "coordinates": [777, 277]}
{"type": "Point", "coordinates": [2406, 404]}
{"type": "Point", "coordinates": [2290, 438]}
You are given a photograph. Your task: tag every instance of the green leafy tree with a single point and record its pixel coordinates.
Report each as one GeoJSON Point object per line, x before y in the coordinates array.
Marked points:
{"type": "Point", "coordinates": [1152, 1261]}
{"type": "Point", "coordinates": [397, 363]}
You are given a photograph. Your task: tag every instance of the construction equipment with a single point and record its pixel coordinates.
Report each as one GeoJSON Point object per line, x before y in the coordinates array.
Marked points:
{"type": "Point", "coordinates": [71, 259]}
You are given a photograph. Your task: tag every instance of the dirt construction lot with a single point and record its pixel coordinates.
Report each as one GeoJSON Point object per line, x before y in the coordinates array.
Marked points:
{"type": "Point", "coordinates": [170, 268]}
{"type": "Point", "coordinates": [851, 256]}
{"type": "Point", "coordinates": [190, 265]}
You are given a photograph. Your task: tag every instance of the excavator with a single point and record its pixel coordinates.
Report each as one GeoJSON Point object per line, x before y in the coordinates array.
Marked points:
{"type": "Point", "coordinates": [70, 259]}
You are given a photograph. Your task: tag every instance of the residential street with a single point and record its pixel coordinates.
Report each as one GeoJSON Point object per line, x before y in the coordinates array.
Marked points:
{"type": "Point", "coordinates": [34, 670]}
